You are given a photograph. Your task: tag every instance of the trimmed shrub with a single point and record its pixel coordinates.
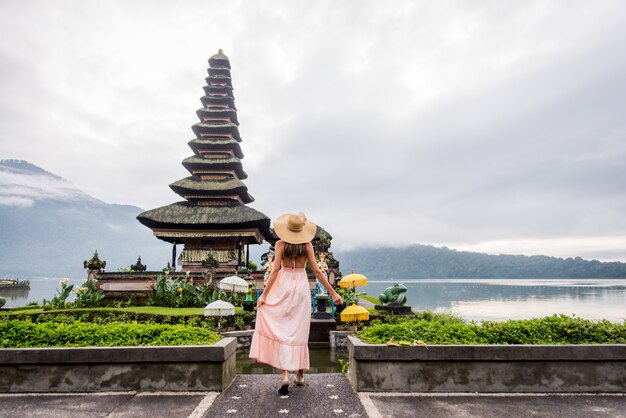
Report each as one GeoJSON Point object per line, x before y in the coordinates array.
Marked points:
{"type": "Point", "coordinates": [555, 329]}
{"type": "Point", "coordinates": [107, 315]}
{"type": "Point", "coordinates": [21, 334]}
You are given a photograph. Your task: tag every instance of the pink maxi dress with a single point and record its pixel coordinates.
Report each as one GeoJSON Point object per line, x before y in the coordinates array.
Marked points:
{"type": "Point", "coordinates": [281, 332]}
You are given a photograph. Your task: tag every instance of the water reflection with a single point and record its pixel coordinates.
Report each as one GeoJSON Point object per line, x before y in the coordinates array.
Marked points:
{"type": "Point", "coordinates": [14, 294]}
{"type": "Point", "coordinates": [517, 299]}
{"type": "Point", "coordinates": [595, 307]}
{"type": "Point", "coordinates": [322, 360]}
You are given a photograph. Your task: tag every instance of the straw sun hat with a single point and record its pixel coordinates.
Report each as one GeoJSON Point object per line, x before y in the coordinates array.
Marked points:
{"type": "Point", "coordinates": [294, 228]}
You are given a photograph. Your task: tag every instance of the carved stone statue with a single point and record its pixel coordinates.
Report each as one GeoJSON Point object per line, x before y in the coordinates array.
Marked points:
{"type": "Point", "coordinates": [324, 268]}
{"type": "Point", "coordinates": [394, 295]}
{"type": "Point", "coordinates": [268, 266]}
{"type": "Point", "coordinates": [94, 266]}
{"type": "Point", "coordinates": [138, 267]}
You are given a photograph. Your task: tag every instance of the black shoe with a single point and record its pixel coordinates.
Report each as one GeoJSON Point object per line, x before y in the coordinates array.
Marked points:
{"type": "Point", "coordinates": [284, 387]}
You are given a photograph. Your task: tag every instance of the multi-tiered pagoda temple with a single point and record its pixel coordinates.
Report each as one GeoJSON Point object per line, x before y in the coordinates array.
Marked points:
{"type": "Point", "coordinates": [213, 222]}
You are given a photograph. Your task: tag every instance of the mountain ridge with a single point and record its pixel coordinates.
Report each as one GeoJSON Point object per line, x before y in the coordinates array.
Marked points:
{"type": "Point", "coordinates": [25, 166]}
{"type": "Point", "coordinates": [49, 227]}
{"type": "Point", "coordinates": [420, 261]}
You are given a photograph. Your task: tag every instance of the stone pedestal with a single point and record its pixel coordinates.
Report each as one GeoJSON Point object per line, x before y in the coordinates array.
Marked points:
{"type": "Point", "coordinates": [322, 315]}
{"type": "Point", "coordinates": [320, 330]}
{"type": "Point", "coordinates": [321, 304]}
{"type": "Point", "coordinates": [396, 310]}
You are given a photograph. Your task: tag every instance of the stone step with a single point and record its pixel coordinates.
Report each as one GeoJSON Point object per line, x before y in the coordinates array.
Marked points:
{"type": "Point", "coordinates": [323, 395]}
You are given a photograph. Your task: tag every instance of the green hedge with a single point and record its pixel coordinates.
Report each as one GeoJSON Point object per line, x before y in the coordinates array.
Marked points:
{"type": "Point", "coordinates": [21, 334]}
{"type": "Point", "coordinates": [556, 329]}
{"type": "Point", "coordinates": [107, 315]}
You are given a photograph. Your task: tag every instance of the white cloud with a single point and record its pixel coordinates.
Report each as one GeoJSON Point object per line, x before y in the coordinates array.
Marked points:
{"type": "Point", "coordinates": [16, 201]}
{"type": "Point", "coordinates": [608, 248]}
{"type": "Point", "coordinates": [20, 187]}
{"type": "Point", "coordinates": [436, 122]}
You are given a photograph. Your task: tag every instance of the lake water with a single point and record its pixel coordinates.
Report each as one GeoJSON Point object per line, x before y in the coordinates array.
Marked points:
{"type": "Point", "coordinates": [501, 299]}
{"type": "Point", "coordinates": [40, 288]}
{"type": "Point", "coordinates": [472, 299]}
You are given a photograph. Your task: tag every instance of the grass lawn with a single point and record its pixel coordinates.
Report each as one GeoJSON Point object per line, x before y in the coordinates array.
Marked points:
{"type": "Point", "coordinates": [371, 299]}
{"type": "Point", "coordinates": [21, 311]}
{"type": "Point", "coordinates": [154, 310]}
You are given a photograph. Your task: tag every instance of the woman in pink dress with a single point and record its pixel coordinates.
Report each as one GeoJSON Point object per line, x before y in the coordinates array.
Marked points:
{"type": "Point", "coordinates": [283, 317]}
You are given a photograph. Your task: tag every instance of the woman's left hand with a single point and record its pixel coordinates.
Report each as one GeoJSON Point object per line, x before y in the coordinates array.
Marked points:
{"type": "Point", "coordinates": [261, 301]}
{"type": "Point", "coordinates": [337, 299]}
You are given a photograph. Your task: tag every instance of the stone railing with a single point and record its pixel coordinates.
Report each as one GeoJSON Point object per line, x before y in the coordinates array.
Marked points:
{"type": "Point", "coordinates": [112, 369]}
{"type": "Point", "coordinates": [487, 368]}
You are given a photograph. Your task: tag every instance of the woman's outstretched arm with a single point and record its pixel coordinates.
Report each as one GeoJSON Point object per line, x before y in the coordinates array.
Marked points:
{"type": "Point", "coordinates": [320, 276]}
{"type": "Point", "coordinates": [278, 262]}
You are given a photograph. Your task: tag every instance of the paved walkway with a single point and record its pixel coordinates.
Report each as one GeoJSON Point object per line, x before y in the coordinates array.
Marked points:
{"type": "Point", "coordinates": [365, 303]}
{"type": "Point", "coordinates": [428, 405]}
{"type": "Point", "coordinates": [323, 395]}
{"type": "Point", "coordinates": [111, 404]}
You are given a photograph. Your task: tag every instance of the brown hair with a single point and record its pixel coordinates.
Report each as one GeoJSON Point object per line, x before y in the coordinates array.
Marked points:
{"type": "Point", "coordinates": [294, 250]}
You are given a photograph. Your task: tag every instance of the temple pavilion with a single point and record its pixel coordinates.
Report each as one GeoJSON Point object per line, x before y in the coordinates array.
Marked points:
{"type": "Point", "coordinates": [213, 222]}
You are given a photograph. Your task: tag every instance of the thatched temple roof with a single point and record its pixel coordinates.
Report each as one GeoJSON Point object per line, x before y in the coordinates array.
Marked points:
{"type": "Point", "coordinates": [229, 114]}
{"type": "Point", "coordinates": [187, 216]}
{"type": "Point", "coordinates": [198, 144]}
{"type": "Point", "coordinates": [194, 184]}
{"type": "Point", "coordinates": [216, 196]}
{"type": "Point", "coordinates": [195, 162]}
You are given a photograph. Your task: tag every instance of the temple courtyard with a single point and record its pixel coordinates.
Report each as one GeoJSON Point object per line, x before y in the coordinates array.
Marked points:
{"type": "Point", "coordinates": [323, 395]}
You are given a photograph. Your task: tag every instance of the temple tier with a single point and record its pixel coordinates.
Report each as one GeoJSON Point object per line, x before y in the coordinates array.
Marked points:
{"type": "Point", "coordinates": [213, 223]}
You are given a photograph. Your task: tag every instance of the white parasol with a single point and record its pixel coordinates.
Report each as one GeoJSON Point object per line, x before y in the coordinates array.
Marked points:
{"type": "Point", "coordinates": [219, 308]}
{"type": "Point", "coordinates": [234, 284]}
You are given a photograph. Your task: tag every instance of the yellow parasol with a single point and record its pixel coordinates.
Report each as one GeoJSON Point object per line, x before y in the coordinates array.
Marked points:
{"type": "Point", "coordinates": [352, 280]}
{"type": "Point", "coordinates": [354, 313]}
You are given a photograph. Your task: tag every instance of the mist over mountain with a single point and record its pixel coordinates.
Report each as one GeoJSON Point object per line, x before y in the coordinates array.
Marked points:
{"type": "Point", "coordinates": [428, 262]}
{"type": "Point", "coordinates": [48, 227]}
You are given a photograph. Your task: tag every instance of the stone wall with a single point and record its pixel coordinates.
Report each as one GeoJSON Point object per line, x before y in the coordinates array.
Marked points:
{"type": "Point", "coordinates": [339, 339]}
{"type": "Point", "coordinates": [244, 337]}
{"type": "Point", "coordinates": [487, 368]}
{"type": "Point", "coordinates": [111, 369]}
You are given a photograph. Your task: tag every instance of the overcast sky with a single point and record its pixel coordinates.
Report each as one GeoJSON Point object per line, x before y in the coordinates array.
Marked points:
{"type": "Point", "coordinates": [495, 126]}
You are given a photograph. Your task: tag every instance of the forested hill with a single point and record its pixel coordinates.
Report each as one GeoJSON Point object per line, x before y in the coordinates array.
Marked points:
{"type": "Point", "coordinates": [428, 262]}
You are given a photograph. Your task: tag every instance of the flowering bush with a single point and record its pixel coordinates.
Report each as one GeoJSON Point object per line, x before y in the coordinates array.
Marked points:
{"type": "Point", "coordinates": [184, 293]}
{"type": "Point", "coordinates": [88, 295]}
{"type": "Point", "coordinates": [60, 300]}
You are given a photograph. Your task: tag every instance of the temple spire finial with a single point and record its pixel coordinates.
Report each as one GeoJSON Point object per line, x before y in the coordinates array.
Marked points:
{"type": "Point", "coordinates": [219, 51]}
